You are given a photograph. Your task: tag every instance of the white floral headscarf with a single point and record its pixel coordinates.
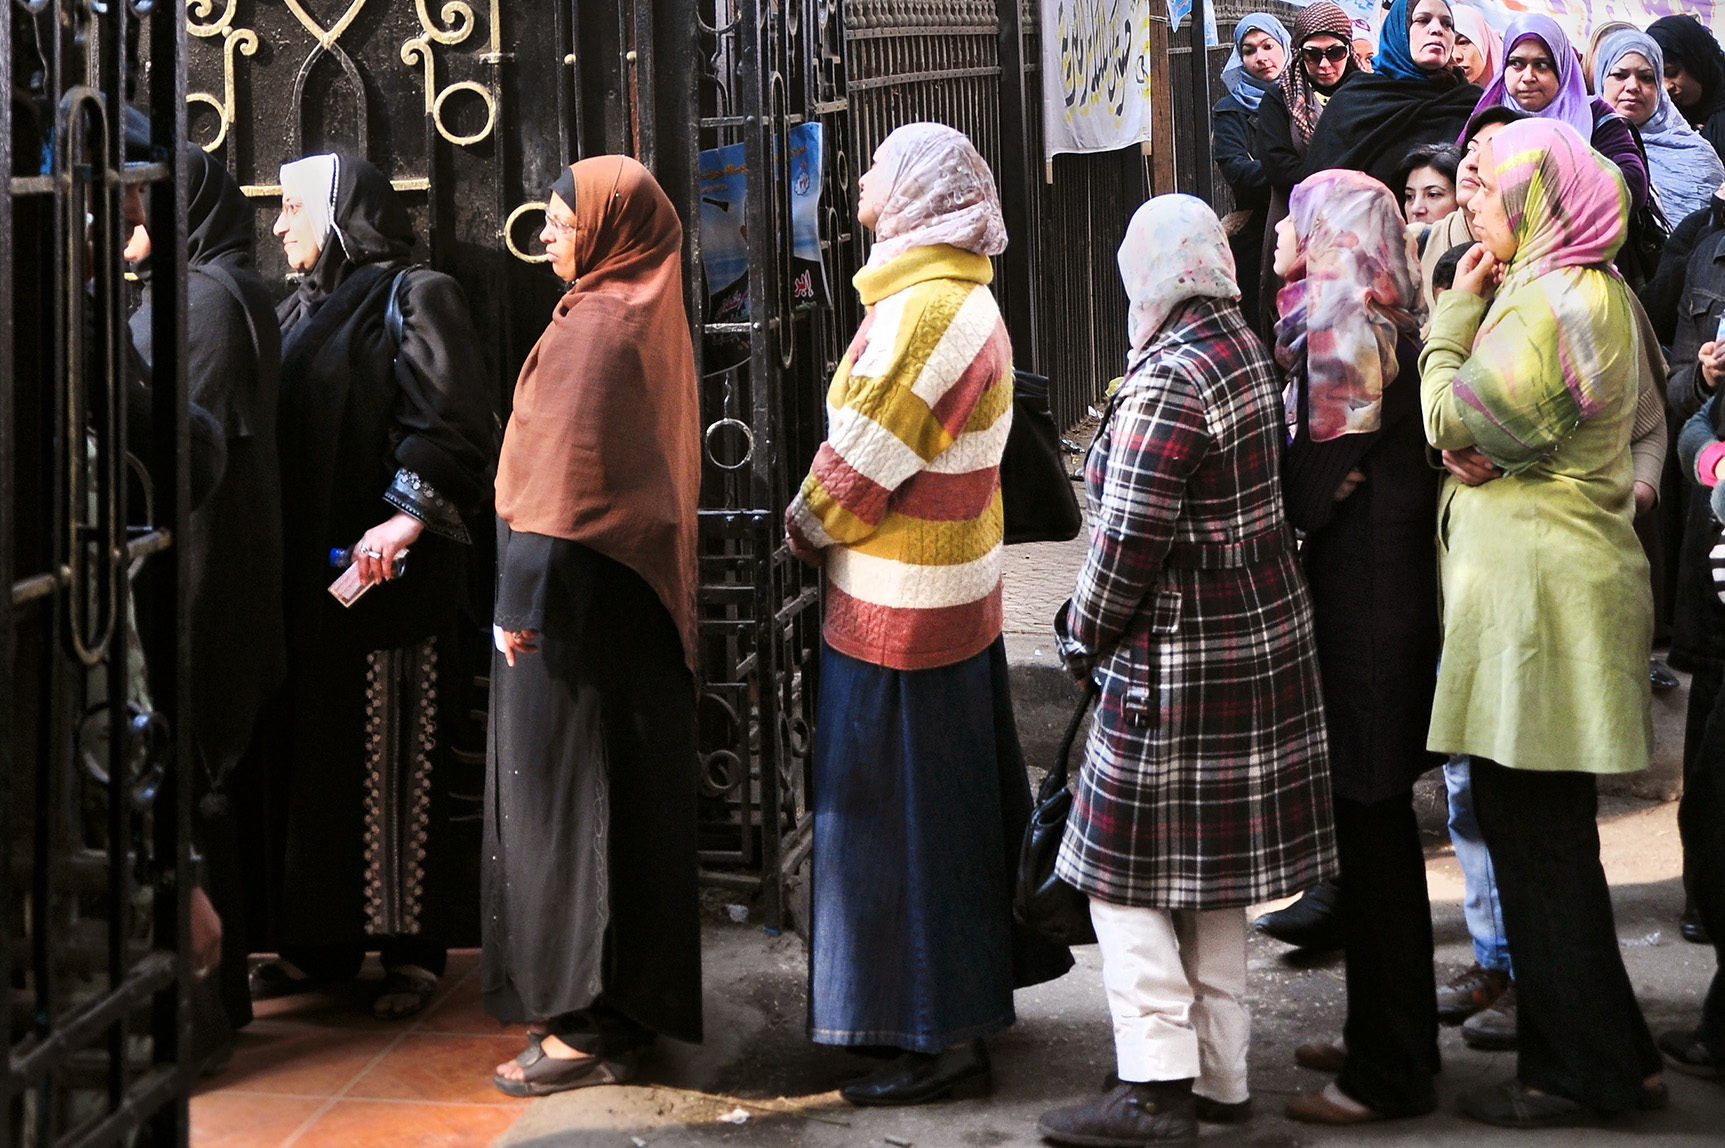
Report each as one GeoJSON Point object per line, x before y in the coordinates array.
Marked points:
{"type": "Point", "coordinates": [939, 190]}
{"type": "Point", "coordinates": [1174, 250]}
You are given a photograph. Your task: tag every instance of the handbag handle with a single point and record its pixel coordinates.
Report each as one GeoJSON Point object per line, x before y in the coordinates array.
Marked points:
{"type": "Point", "coordinates": [1056, 777]}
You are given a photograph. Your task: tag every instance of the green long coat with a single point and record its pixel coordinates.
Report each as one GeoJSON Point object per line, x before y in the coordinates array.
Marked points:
{"type": "Point", "coordinates": [1547, 605]}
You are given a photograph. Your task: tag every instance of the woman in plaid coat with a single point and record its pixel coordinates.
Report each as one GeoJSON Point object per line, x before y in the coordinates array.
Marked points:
{"type": "Point", "coordinates": [1205, 784]}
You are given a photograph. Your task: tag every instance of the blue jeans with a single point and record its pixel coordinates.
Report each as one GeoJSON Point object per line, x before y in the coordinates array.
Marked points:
{"type": "Point", "coordinates": [1480, 903]}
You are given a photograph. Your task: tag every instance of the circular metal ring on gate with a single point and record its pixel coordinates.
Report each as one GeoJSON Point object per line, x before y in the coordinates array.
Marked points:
{"type": "Point", "coordinates": [711, 707]}
{"type": "Point", "coordinates": [509, 232]}
{"type": "Point", "coordinates": [796, 734]}
{"type": "Point", "coordinates": [736, 426]}
{"type": "Point", "coordinates": [721, 772]}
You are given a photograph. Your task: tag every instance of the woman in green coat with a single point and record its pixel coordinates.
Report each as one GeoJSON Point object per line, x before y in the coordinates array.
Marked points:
{"type": "Point", "coordinates": [1533, 361]}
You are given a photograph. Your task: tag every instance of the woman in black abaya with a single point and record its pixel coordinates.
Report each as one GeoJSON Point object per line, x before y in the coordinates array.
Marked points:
{"type": "Point", "coordinates": [388, 441]}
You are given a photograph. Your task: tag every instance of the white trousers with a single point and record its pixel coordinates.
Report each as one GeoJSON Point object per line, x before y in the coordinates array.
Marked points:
{"type": "Point", "coordinates": [1176, 982]}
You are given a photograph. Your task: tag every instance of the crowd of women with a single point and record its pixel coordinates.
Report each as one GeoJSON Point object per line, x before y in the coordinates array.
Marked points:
{"type": "Point", "coordinates": [1367, 497]}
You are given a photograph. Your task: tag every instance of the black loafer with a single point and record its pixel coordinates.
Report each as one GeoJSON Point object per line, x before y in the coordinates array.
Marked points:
{"type": "Point", "coordinates": [1661, 677]}
{"type": "Point", "coordinates": [1513, 1105]}
{"type": "Point", "coordinates": [1312, 922]}
{"type": "Point", "coordinates": [1693, 930]}
{"type": "Point", "coordinates": [1684, 1051]}
{"type": "Point", "coordinates": [918, 1077]}
{"type": "Point", "coordinates": [269, 981]}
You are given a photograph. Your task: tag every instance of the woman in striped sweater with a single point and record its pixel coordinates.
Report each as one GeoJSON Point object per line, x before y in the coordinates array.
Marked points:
{"type": "Point", "coordinates": [920, 793]}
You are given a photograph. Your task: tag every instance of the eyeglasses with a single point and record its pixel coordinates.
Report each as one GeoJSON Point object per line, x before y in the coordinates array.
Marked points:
{"type": "Point", "coordinates": [1335, 54]}
{"type": "Point", "coordinates": [557, 225]}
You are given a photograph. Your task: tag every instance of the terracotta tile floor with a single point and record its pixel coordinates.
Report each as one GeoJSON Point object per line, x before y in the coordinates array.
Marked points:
{"type": "Point", "coordinates": [315, 1071]}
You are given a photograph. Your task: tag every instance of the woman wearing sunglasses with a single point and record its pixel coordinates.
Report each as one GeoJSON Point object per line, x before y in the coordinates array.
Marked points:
{"type": "Point", "coordinates": [1320, 64]}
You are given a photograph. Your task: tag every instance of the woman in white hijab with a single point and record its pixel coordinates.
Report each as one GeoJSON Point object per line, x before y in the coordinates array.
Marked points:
{"type": "Point", "coordinates": [1205, 783]}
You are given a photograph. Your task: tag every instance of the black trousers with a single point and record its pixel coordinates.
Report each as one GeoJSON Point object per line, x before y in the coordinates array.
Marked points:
{"type": "Point", "coordinates": [1701, 822]}
{"type": "Point", "coordinates": [1392, 1026]}
{"type": "Point", "coordinates": [1579, 1029]}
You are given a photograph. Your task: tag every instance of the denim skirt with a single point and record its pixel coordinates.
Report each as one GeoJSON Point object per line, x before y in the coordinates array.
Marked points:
{"type": "Point", "coordinates": [921, 800]}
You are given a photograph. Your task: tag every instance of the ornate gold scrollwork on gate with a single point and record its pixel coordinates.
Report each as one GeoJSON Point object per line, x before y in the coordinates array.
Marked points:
{"type": "Point", "coordinates": [509, 232]}
{"type": "Point", "coordinates": [243, 39]}
{"type": "Point", "coordinates": [458, 15]}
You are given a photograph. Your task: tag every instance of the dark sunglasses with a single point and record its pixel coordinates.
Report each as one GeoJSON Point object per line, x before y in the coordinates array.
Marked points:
{"type": "Point", "coordinates": [1335, 54]}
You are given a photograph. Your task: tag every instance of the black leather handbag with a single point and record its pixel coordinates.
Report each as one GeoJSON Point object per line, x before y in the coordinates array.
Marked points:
{"type": "Point", "coordinates": [1043, 901]}
{"type": "Point", "coordinates": [1034, 488]}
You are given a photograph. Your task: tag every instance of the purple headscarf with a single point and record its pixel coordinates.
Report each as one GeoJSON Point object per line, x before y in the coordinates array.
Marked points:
{"type": "Point", "coordinates": [1573, 105]}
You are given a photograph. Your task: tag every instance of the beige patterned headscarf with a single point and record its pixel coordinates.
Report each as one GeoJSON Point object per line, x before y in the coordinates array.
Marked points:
{"type": "Point", "coordinates": [939, 190]}
{"type": "Point", "coordinates": [1174, 250]}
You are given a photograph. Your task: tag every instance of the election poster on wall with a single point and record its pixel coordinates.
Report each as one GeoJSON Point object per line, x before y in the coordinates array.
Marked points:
{"type": "Point", "coordinates": [1096, 67]}
{"type": "Point", "coordinates": [1578, 18]}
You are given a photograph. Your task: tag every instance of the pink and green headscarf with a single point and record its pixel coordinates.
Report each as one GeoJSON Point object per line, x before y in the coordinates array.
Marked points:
{"type": "Point", "coordinates": [1355, 289]}
{"type": "Point", "coordinates": [1561, 317]}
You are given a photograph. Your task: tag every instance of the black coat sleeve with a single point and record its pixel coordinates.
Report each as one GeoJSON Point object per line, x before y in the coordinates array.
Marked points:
{"type": "Point", "coordinates": [1233, 150]}
{"type": "Point", "coordinates": [1275, 142]}
{"type": "Point", "coordinates": [532, 569]}
{"type": "Point", "coordinates": [445, 424]}
{"type": "Point", "coordinates": [1661, 294]}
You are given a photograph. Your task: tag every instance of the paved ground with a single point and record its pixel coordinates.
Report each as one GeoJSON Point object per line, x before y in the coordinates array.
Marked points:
{"type": "Point", "coordinates": [316, 1070]}
{"type": "Point", "coordinates": [757, 1060]}
{"type": "Point", "coordinates": [757, 1067]}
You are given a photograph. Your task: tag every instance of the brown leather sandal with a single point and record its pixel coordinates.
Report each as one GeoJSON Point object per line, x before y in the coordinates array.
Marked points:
{"type": "Point", "coordinates": [547, 1074]}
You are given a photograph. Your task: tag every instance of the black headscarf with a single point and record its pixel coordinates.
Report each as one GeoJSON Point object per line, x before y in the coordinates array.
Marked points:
{"type": "Point", "coordinates": [368, 225]}
{"type": "Point", "coordinates": [219, 219]}
{"type": "Point", "coordinates": [1687, 43]}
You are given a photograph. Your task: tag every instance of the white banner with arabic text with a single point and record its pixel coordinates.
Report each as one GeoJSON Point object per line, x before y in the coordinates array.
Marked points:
{"type": "Point", "coordinates": [1096, 74]}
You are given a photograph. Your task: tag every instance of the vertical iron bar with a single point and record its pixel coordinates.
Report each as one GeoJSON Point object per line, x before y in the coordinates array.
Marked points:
{"type": "Point", "coordinates": [1017, 184]}
{"type": "Point", "coordinates": [1202, 171]}
{"type": "Point", "coordinates": [171, 1009]}
{"type": "Point", "coordinates": [9, 668]}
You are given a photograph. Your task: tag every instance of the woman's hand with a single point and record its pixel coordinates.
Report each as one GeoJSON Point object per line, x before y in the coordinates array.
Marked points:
{"type": "Point", "coordinates": [375, 553]}
{"type": "Point", "coordinates": [1355, 477]}
{"type": "Point", "coordinates": [519, 642]}
{"type": "Point", "coordinates": [1470, 466]}
{"type": "Point", "coordinates": [1646, 497]}
{"type": "Point", "coordinates": [1478, 273]}
{"type": "Point", "coordinates": [1712, 369]}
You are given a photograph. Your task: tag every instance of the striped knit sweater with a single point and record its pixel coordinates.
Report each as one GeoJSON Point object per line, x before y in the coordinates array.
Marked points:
{"type": "Point", "coordinates": [904, 496]}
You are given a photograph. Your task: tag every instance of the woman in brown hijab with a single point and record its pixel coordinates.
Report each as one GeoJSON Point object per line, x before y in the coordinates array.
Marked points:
{"type": "Point", "coordinates": [591, 923]}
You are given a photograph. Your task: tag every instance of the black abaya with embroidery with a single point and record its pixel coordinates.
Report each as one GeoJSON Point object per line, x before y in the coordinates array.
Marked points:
{"type": "Point", "coordinates": [378, 844]}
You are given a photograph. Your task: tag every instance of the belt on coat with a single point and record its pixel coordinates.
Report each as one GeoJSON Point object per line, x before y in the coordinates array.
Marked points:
{"type": "Point", "coordinates": [1228, 555]}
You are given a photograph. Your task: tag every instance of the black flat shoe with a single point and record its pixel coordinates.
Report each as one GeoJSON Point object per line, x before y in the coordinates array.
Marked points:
{"type": "Point", "coordinates": [1661, 677]}
{"type": "Point", "coordinates": [270, 981]}
{"type": "Point", "coordinates": [1692, 929]}
{"type": "Point", "coordinates": [1127, 1116]}
{"type": "Point", "coordinates": [918, 1077]}
{"type": "Point", "coordinates": [1513, 1105]}
{"type": "Point", "coordinates": [1312, 922]}
{"type": "Point", "coordinates": [1684, 1051]}
{"type": "Point", "coordinates": [1217, 1112]}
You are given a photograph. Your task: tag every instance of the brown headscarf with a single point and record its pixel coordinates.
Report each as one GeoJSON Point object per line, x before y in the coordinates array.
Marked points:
{"type": "Point", "coordinates": [604, 446]}
{"type": "Point", "coordinates": [1301, 94]}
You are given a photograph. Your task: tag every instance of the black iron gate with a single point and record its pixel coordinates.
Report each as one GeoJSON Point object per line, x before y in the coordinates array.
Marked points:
{"type": "Point", "coordinates": [94, 871]}
{"type": "Point", "coordinates": [471, 107]}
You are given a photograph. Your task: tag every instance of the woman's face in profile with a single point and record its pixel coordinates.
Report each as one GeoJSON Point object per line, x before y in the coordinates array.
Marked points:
{"type": "Point", "coordinates": [1486, 210]}
{"type": "Point", "coordinates": [558, 235]}
{"type": "Point", "coordinates": [872, 186]}
{"type": "Point", "coordinates": [1469, 59]}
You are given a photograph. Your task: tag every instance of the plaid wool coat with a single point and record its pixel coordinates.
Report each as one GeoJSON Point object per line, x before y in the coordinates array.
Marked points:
{"type": "Point", "coordinates": [1205, 782]}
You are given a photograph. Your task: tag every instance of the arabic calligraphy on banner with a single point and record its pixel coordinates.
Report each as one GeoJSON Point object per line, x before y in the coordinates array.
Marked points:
{"type": "Point", "coordinates": [1096, 74]}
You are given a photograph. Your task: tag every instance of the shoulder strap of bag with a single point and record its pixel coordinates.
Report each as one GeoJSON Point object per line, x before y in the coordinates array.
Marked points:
{"type": "Point", "coordinates": [392, 320]}
{"type": "Point", "coordinates": [1056, 778]}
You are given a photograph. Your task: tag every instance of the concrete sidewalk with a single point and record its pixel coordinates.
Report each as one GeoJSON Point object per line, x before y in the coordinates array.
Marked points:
{"type": "Point", "coordinates": [757, 1063]}
{"type": "Point", "coordinates": [758, 1068]}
